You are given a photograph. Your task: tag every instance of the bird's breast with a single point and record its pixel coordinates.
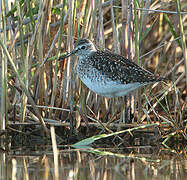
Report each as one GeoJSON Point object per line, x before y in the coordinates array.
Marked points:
{"type": "Point", "coordinates": [100, 84]}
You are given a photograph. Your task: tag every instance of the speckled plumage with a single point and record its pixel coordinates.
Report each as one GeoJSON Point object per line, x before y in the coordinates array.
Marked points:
{"type": "Point", "coordinates": [109, 74]}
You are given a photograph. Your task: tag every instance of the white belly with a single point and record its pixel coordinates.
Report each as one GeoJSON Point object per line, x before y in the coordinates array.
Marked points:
{"type": "Point", "coordinates": [102, 85]}
{"type": "Point", "coordinates": [109, 88]}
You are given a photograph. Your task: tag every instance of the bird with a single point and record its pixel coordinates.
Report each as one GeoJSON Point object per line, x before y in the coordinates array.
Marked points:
{"type": "Point", "coordinates": [106, 73]}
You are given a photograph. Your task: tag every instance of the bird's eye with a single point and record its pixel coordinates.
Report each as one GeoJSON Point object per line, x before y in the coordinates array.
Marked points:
{"type": "Point", "coordinates": [83, 47]}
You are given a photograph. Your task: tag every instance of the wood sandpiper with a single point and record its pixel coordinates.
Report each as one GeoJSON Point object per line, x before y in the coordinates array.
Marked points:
{"type": "Point", "coordinates": [106, 73]}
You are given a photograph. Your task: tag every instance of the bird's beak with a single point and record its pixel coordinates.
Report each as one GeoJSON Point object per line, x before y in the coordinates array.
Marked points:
{"type": "Point", "coordinates": [66, 55]}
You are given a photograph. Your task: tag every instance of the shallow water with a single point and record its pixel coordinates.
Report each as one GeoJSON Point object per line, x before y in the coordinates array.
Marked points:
{"type": "Point", "coordinates": [125, 163]}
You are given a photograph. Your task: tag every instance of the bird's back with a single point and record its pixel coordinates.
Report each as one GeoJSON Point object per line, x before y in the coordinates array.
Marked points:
{"type": "Point", "coordinates": [118, 68]}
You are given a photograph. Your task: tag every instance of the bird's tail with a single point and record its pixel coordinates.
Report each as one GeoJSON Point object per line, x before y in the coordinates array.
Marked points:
{"type": "Point", "coordinates": [162, 79]}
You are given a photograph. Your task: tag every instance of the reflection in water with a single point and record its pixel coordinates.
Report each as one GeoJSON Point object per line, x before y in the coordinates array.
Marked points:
{"type": "Point", "coordinates": [95, 164]}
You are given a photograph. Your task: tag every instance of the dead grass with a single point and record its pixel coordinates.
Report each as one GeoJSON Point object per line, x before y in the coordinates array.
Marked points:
{"type": "Point", "coordinates": [152, 34]}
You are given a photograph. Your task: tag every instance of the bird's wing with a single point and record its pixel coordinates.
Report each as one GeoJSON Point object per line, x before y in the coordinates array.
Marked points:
{"type": "Point", "coordinates": [118, 68]}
